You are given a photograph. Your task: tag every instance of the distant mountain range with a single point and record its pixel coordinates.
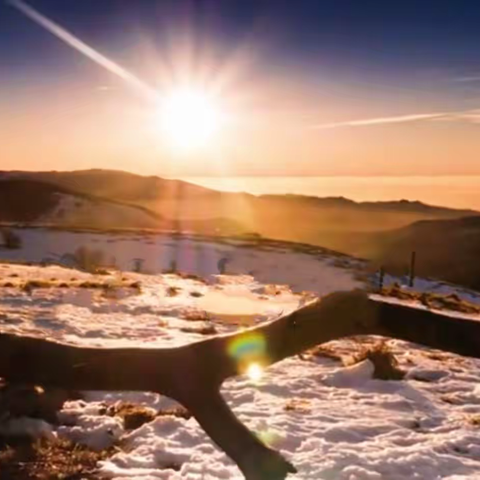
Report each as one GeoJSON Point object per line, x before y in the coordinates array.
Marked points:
{"type": "Point", "coordinates": [382, 231]}
{"type": "Point", "coordinates": [176, 199]}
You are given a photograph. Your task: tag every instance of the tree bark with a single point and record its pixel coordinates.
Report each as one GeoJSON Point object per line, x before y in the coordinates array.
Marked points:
{"type": "Point", "coordinates": [193, 374]}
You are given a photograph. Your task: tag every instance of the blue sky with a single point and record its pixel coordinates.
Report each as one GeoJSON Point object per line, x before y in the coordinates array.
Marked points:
{"type": "Point", "coordinates": [330, 64]}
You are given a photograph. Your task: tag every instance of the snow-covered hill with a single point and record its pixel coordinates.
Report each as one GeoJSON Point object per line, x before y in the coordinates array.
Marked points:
{"type": "Point", "coordinates": [331, 421]}
{"type": "Point", "coordinates": [72, 210]}
{"type": "Point", "coordinates": [33, 202]}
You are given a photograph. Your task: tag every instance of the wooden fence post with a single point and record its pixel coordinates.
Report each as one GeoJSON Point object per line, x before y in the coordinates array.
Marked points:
{"type": "Point", "coordinates": [381, 278]}
{"type": "Point", "coordinates": [412, 270]}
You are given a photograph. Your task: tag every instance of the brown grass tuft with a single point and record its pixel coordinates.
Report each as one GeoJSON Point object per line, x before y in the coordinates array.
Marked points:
{"type": "Point", "coordinates": [59, 459]}
{"type": "Point", "coordinates": [190, 276]}
{"type": "Point", "coordinates": [325, 352]}
{"type": "Point", "coordinates": [298, 405]}
{"type": "Point", "coordinates": [196, 316]}
{"type": "Point", "coordinates": [206, 330]}
{"type": "Point", "coordinates": [385, 363]}
{"type": "Point", "coordinates": [172, 291]}
{"type": "Point", "coordinates": [432, 300]}
{"type": "Point", "coordinates": [179, 412]}
{"type": "Point", "coordinates": [134, 416]}
{"type": "Point", "coordinates": [32, 284]}
{"type": "Point", "coordinates": [474, 420]}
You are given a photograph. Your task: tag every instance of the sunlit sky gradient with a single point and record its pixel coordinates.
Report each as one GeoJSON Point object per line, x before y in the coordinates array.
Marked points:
{"type": "Point", "coordinates": [331, 87]}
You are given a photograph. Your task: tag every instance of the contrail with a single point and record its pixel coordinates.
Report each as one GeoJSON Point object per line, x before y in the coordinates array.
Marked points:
{"type": "Point", "coordinates": [380, 121]}
{"type": "Point", "coordinates": [470, 116]}
{"type": "Point", "coordinates": [83, 48]}
{"type": "Point", "coordinates": [475, 78]}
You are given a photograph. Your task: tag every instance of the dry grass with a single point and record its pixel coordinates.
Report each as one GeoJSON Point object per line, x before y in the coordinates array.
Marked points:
{"type": "Point", "coordinates": [384, 362]}
{"type": "Point", "coordinates": [451, 399]}
{"type": "Point", "coordinates": [324, 351]}
{"type": "Point", "coordinates": [133, 416]}
{"type": "Point", "coordinates": [474, 420]}
{"type": "Point", "coordinates": [298, 405]}
{"type": "Point", "coordinates": [432, 300]}
{"type": "Point", "coordinates": [178, 412]}
{"type": "Point", "coordinates": [453, 302]}
{"type": "Point", "coordinates": [196, 316]}
{"type": "Point", "coordinates": [205, 330]}
{"type": "Point", "coordinates": [33, 284]}
{"type": "Point", "coordinates": [172, 291]}
{"type": "Point", "coordinates": [108, 286]}
{"type": "Point", "coordinates": [191, 276]}
{"type": "Point", "coordinates": [59, 459]}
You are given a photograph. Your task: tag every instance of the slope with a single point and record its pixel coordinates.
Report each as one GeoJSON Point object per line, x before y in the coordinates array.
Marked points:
{"type": "Point", "coordinates": [30, 201]}
{"type": "Point", "coordinates": [446, 249]}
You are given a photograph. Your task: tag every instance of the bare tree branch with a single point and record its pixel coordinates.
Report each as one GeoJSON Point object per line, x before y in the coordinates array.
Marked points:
{"type": "Point", "coordinates": [193, 374]}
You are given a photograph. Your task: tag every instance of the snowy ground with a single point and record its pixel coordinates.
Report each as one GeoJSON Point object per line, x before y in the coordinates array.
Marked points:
{"type": "Point", "coordinates": [434, 286]}
{"type": "Point", "coordinates": [317, 271]}
{"type": "Point", "coordinates": [333, 422]}
{"type": "Point", "coordinates": [165, 312]}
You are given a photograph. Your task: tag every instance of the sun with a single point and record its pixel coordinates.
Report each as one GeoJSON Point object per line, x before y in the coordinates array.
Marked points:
{"type": "Point", "coordinates": [190, 118]}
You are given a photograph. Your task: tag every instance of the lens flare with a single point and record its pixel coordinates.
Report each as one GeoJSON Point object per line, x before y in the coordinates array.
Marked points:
{"type": "Point", "coordinates": [247, 347]}
{"type": "Point", "coordinates": [254, 371]}
{"type": "Point", "coordinates": [270, 437]}
{"type": "Point", "coordinates": [250, 354]}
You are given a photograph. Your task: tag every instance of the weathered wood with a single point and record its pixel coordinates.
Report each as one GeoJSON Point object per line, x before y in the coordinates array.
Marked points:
{"type": "Point", "coordinates": [193, 374]}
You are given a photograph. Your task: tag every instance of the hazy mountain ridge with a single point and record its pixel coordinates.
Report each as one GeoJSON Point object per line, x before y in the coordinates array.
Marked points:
{"type": "Point", "coordinates": [114, 184]}
{"type": "Point", "coordinates": [392, 205]}
{"type": "Point", "coordinates": [385, 232]}
{"type": "Point", "coordinates": [126, 186]}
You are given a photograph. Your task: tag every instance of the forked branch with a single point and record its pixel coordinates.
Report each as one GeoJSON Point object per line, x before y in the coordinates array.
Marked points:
{"type": "Point", "coordinates": [193, 374]}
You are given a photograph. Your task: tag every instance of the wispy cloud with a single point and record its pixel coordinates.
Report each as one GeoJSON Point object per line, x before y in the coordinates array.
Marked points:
{"type": "Point", "coordinates": [471, 116]}
{"type": "Point", "coordinates": [381, 120]}
{"type": "Point", "coordinates": [471, 78]}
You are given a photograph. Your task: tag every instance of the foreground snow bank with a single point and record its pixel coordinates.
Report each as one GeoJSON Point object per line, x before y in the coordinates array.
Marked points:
{"type": "Point", "coordinates": [332, 422]}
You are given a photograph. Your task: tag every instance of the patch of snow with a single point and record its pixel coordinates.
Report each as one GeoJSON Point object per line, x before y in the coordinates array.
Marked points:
{"type": "Point", "coordinates": [192, 255]}
{"type": "Point", "coordinates": [77, 210]}
{"type": "Point", "coordinates": [351, 376]}
{"type": "Point", "coordinates": [332, 422]}
{"type": "Point", "coordinates": [86, 425]}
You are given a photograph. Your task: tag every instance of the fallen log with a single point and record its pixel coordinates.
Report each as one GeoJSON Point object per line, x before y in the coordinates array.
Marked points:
{"type": "Point", "coordinates": [193, 374]}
